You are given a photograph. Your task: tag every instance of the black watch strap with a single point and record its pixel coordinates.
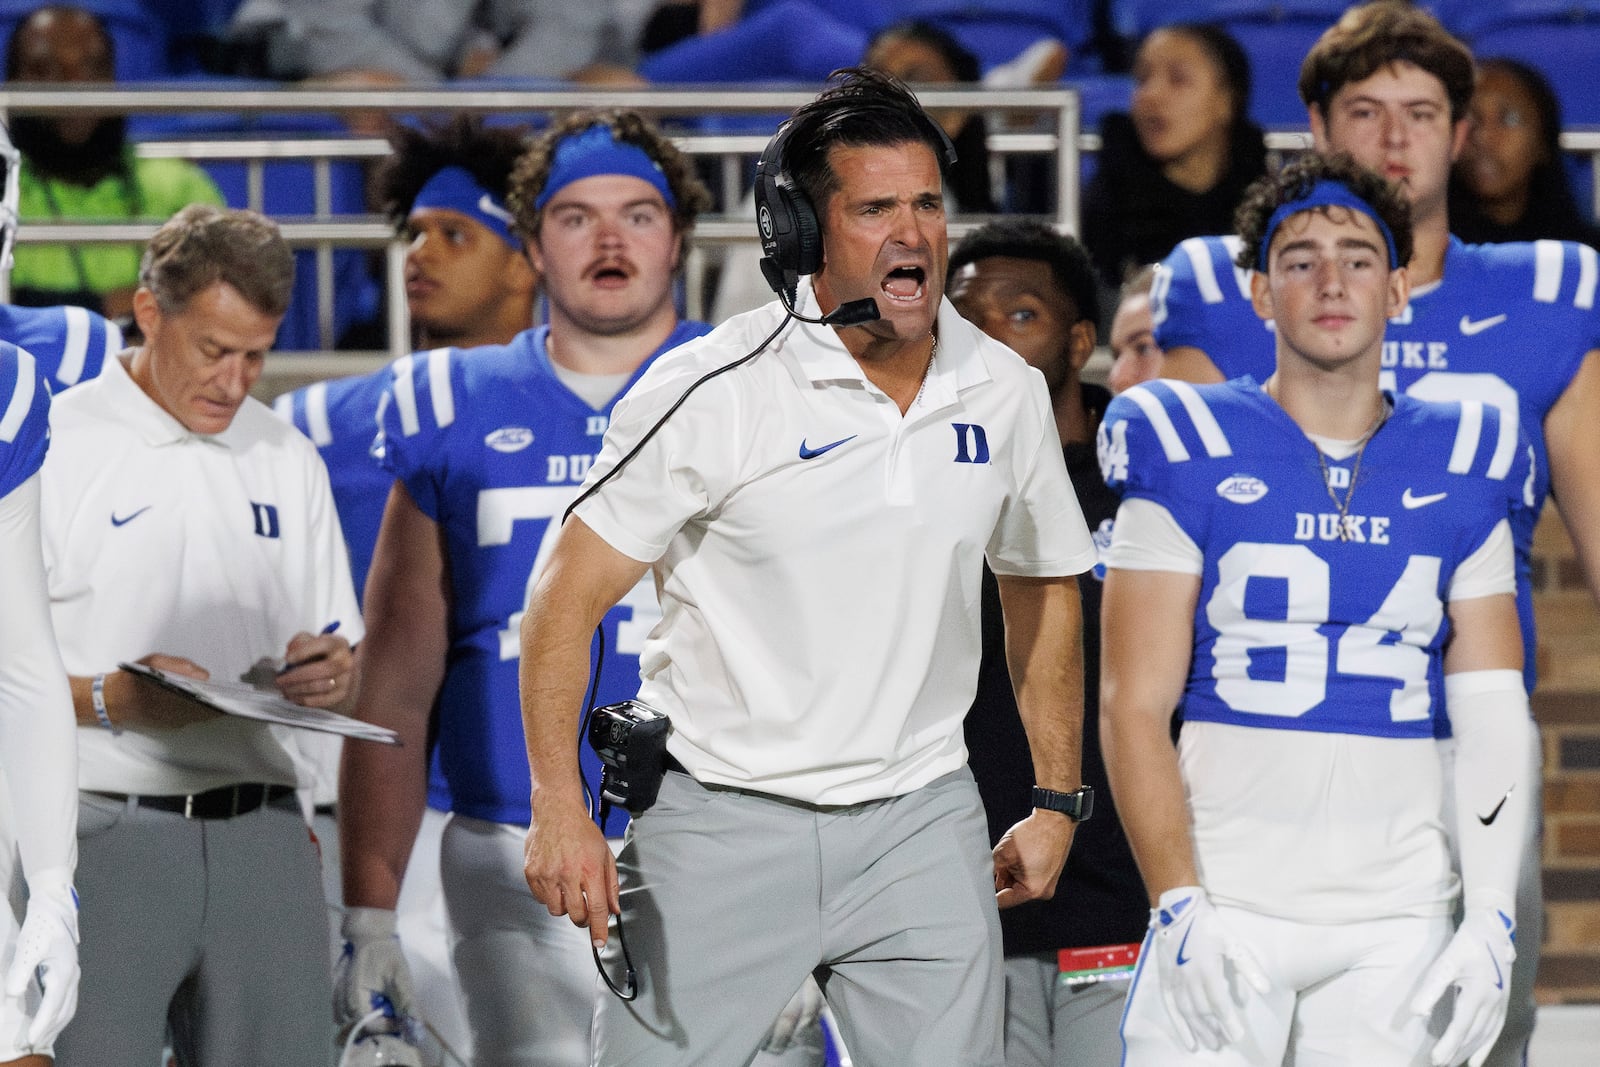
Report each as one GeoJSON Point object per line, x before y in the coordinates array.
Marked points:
{"type": "Point", "coordinates": [1077, 805]}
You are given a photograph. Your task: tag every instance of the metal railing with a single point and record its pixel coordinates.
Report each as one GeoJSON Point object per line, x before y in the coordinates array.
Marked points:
{"type": "Point", "coordinates": [1054, 113]}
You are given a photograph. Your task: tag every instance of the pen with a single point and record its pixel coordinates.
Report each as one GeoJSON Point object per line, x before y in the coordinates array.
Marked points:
{"type": "Point", "coordinates": [328, 629]}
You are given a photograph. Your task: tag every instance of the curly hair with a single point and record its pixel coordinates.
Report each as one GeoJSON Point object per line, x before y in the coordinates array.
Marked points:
{"type": "Point", "coordinates": [629, 127]}
{"type": "Point", "coordinates": [1371, 37]}
{"type": "Point", "coordinates": [1029, 239]}
{"type": "Point", "coordinates": [487, 153]}
{"type": "Point", "coordinates": [1296, 179]}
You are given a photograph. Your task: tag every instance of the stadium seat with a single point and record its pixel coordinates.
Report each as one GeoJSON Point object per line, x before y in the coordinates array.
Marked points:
{"type": "Point", "coordinates": [288, 190]}
{"type": "Point", "coordinates": [999, 30]}
{"type": "Point", "coordinates": [1566, 52]}
{"type": "Point", "coordinates": [1470, 18]}
{"type": "Point", "coordinates": [140, 38]}
{"type": "Point", "coordinates": [1135, 18]}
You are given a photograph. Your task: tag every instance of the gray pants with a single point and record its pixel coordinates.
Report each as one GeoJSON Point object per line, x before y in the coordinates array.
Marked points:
{"type": "Point", "coordinates": [730, 898]}
{"type": "Point", "coordinates": [215, 927]}
{"type": "Point", "coordinates": [1053, 1025]}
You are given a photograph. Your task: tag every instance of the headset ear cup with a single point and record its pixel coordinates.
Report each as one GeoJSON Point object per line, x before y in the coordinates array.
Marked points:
{"type": "Point", "coordinates": [807, 241]}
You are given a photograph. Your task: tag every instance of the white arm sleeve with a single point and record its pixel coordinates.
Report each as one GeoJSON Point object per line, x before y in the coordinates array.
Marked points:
{"type": "Point", "coordinates": [1495, 752]}
{"type": "Point", "coordinates": [1489, 571]}
{"type": "Point", "coordinates": [1146, 537]}
{"type": "Point", "coordinates": [38, 733]}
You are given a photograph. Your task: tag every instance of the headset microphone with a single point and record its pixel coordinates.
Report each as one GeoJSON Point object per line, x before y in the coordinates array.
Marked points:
{"type": "Point", "coordinates": [850, 313]}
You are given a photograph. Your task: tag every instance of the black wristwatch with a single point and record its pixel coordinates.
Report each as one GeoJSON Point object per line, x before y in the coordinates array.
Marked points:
{"type": "Point", "coordinates": [1077, 805]}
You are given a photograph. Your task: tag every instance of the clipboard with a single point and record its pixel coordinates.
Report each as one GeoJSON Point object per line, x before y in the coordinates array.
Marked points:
{"type": "Point", "coordinates": [248, 702]}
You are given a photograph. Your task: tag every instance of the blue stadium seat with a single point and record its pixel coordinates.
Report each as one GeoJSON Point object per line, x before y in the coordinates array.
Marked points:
{"type": "Point", "coordinates": [998, 30]}
{"type": "Point", "coordinates": [1135, 18]}
{"type": "Point", "coordinates": [1470, 18]}
{"type": "Point", "coordinates": [288, 190]}
{"type": "Point", "coordinates": [139, 38]}
{"type": "Point", "coordinates": [1567, 52]}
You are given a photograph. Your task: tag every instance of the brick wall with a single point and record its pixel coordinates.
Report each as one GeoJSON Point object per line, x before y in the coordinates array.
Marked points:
{"type": "Point", "coordinates": [1567, 706]}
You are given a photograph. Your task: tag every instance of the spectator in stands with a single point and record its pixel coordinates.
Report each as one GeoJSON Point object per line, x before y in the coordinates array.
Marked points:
{"type": "Point", "coordinates": [202, 908]}
{"type": "Point", "coordinates": [1510, 182]}
{"type": "Point", "coordinates": [81, 168]}
{"type": "Point", "coordinates": [1034, 290]}
{"type": "Point", "coordinates": [1178, 163]}
{"type": "Point", "coordinates": [384, 43]}
{"type": "Point", "coordinates": [1135, 356]}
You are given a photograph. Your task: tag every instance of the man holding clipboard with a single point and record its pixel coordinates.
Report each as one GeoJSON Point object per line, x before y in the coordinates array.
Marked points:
{"type": "Point", "coordinates": [187, 528]}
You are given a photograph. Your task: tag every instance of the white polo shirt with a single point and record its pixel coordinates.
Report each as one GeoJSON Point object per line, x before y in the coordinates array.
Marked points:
{"type": "Point", "coordinates": [819, 556]}
{"type": "Point", "coordinates": [218, 548]}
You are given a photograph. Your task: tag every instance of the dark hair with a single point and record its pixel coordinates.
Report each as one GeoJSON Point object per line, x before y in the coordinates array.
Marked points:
{"type": "Point", "coordinates": [1552, 210]}
{"type": "Point", "coordinates": [1224, 50]}
{"type": "Point", "coordinates": [629, 127]}
{"type": "Point", "coordinates": [14, 46]}
{"type": "Point", "coordinates": [1296, 179]}
{"type": "Point", "coordinates": [1067, 259]}
{"type": "Point", "coordinates": [202, 245]}
{"type": "Point", "coordinates": [963, 64]}
{"type": "Point", "coordinates": [860, 108]}
{"type": "Point", "coordinates": [487, 153]}
{"type": "Point", "coordinates": [967, 179]}
{"type": "Point", "coordinates": [1369, 37]}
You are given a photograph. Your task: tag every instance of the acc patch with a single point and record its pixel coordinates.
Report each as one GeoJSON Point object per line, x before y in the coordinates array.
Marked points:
{"type": "Point", "coordinates": [509, 439]}
{"type": "Point", "coordinates": [1242, 489]}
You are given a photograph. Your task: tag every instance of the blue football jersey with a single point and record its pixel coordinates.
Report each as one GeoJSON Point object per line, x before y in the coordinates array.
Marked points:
{"type": "Point", "coordinates": [341, 418]}
{"type": "Point", "coordinates": [1296, 626]}
{"type": "Point", "coordinates": [24, 417]}
{"type": "Point", "coordinates": [70, 343]}
{"type": "Point", "coordinates": [493, 447]}
{"type": "Point", "coordinates": [1509, 324]}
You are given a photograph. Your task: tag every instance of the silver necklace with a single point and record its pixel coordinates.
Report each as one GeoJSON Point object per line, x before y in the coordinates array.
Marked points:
{"type": "Point", "coordinates": [1343, 506]}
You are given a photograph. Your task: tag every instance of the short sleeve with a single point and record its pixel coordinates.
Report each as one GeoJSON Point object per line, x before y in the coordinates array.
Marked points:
{"type": "Point", "coordinates": [415, 417]}
{"type": "Point", "coordinates": [1200, 299]}
{"type": "Point", "coordinates": [1041, 531]}
{"type": "Point", "coordinates": [24, 417]}
{"type": "Point", "coordinates": [682, 471]}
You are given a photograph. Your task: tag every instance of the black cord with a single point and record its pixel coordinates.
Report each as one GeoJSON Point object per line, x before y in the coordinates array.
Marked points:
{"type": "Point", "coordinates": [662, 421]}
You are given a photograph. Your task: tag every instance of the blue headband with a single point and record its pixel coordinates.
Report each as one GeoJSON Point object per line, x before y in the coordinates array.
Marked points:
{"type": "Point", "coordinates": [455, 189]}
{"type": "Point", "coordinates": [1326, 193]}
{"type": "Point", "coordinates": [596, 151]}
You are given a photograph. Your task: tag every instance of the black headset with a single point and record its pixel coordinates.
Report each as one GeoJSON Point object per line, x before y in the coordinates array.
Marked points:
{"type": "Point", "coordinates": [791, 236]}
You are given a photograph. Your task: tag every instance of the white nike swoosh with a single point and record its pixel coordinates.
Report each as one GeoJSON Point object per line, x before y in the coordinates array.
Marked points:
{"type": "Point", "coordinates": [1469, 327]}
{"type": "Point", "coordinates": [1420, 501]}
{"type": "Point", "coordinates": [495, 211]}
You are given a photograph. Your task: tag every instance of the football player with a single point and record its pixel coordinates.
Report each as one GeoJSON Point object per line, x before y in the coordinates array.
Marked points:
{"type": "Point", "coordinates": [38, 747]}
{"type": "Point", "coordinates": [1305, 568]}
{"type": "Point", "coordinates": [1512, 325]}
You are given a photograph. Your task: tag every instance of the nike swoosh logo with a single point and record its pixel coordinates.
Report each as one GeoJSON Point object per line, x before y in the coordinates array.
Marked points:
{"type": "Point", "coordinates": [1471, 328]}
{"type": "Point", "coordinates": [1182, 959]}
{"type": "Point", "coordinates": [1488, 820]}
{"type": "Point", "coordinates": [495, 211]}
{"type": "Point", "coordinates": [1420, 501]}
{"type": "Point", "coordinates": [129, 518]}
{"type": "Point", "coordinates": [813, 453]}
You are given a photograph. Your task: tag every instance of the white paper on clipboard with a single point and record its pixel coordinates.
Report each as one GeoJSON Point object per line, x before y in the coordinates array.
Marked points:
{"type": "Point", "coordinates": [247, 702]}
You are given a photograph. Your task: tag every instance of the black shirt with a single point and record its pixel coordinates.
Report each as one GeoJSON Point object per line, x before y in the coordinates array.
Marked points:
{"type": "Point", "coordinates": [1100, 899]}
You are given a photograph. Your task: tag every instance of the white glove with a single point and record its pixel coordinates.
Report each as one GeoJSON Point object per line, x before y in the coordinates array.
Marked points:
{"type": "Point", "coordinates": [372, 972]}
{"type": "Point", "coordinates": [47, 947]}
{"type": "Point", "coordinates": [797, 1017]}
{"type": "Point", "coordinates": [1192, 948]}
{"type": "Point", "coordinates": [1477, 962]}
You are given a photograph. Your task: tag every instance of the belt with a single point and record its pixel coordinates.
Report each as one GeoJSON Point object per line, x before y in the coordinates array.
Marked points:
{"type": "Point", "coordinates": [224, 802]}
